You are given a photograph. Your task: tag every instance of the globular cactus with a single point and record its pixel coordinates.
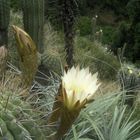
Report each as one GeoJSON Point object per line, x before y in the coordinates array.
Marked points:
{"type": "Point", "coordinates": [53, 60]}
{"type": "Point", "coordinates": [33, 18]}
{"type": "Point", "coordinates": [130, 82]}
{"type": "Point", "coordinates": [4, 21]}
{"type": "Point", "coordinates": [17, 119]}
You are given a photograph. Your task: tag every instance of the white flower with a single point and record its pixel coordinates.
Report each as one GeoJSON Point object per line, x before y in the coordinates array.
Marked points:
{"type": "Point", "coordinates": [96, 16]}
{"type": "Point", "coordinates": [101, 30]}
{"type": "Point", "coordinates": [79, 86]}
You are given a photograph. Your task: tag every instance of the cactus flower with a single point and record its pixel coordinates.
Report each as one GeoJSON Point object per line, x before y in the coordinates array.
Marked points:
{"type": "Point", "coordinates": [79, 87]}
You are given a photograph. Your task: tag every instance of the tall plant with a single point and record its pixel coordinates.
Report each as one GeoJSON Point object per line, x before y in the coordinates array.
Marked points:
{"type": "Point", "coordinates": [73, 95]}
{"type": "Point", "coordinates": [4, 21]}
{"type": "Point", "coordinates": [28, 56]}
{"type": "Point", "coordinates": [33, 18]}
{"type": "Point", "coordinates": [68, 22]}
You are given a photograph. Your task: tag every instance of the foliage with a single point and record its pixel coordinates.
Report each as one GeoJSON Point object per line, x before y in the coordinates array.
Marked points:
{"type": "Point", "coordinates": [17, 118]}
{"type": "Point", "coordinates": [108, 33]}
{"type": "Point", "coordinates": [53, 57]}
{"type": "Point", "coordinates": [118, 127]}
{"type": "Point", "coordinates": [16, 19]}
{"type": "Point", "coordinates": [129, 79]}
{"type": "Point", "coordinates": [117, 6]}
{"type": "Point", "coordinates": [93, 122]}
{"type": "Point", "coordinates": [15, 5]}
{"type": "Point", "coordinates": [86, 54]}
{"type": "Point", "coordinates": [119, 37]}
{"type": "Point", "coordinates": [96, 57]}
{"type": "Point", "coordinates": [137, 41]}
{"type": "Point", "coordinates": [104, 120]}
{"type": "Point", "coordinates": [84, 25]}
{"type": "Point", "coordinates": [83, 7]}
{"type": "Point", "coordinates": [129, 35]}
{"type": "Point", "coordinates": [133, 8]}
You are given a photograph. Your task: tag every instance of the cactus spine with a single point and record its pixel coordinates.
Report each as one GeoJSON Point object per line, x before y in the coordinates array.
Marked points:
{"type": "Point", "coordinates": [4, 21]}
{"type": "Point", "coordinates": [33, 18]}
{"type": "Point", "coordinates": [17, 120]}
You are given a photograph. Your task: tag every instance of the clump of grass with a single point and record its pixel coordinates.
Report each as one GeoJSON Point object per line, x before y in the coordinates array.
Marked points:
{"type": "Point", "coordinates": [105, 119]}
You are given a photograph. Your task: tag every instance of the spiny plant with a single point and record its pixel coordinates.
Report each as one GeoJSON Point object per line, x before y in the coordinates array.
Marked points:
{"type": "Point", "coordinates": [96, 57]}
{"type": "Point", "coordinates": [118, 126]}
{"type": "Point", "coordinates": [18, 121]}
{"type": "Point", "coordinates": [28, 56]}
{"type": "Point", "coordinates": [68, 7]}
{"type": "Point", "coordinates": [73, 95]}
{"type": "Point", "coordinates": [105, 119]}
{"type": "Point", "coordinates": [53, 57]}
{"type": "Point", "coordinates": [33, 18]}
{"type": "Point", "coordinates": [65, 12]}
{"type": "Point", "coordinates": [130, 82]}
{"type": "Point", "coordinates": [15, 19]}
{"type": "Point", "coordinates": [52, 60]}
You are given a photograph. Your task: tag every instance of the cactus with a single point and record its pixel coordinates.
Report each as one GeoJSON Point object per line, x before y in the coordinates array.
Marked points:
{"type": "Point", "coordinates": [94, 22]}
{"type": "Point", "coordinates": [130, 82]}
{"type": "Point", "coordinates": [33, 18]}
{"type": "Point", "coordinates": [52, 60]}
{"type": "Point", "coordinates": [17, 121]}
{"type": "Point", "coordinates": [4, 21]}
{"type": "Point", "coordinates": [28, 56]}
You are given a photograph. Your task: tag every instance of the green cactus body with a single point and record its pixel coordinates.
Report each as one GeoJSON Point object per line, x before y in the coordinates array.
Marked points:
{"type": "Point", "coordinates": [129, 82]}
{"type": "Point", "coordinates": [94, 22]}
{"type": "Point", "coordinates": [52, 61]}
{"type": "Point", "coordinates": [4, 21]}
{"type": "Point", "coordinates": [4, 13]}
{"type": "Point", "coordinates": [33, 18]}
{"type": "Point", "coordinates": [17, 120]}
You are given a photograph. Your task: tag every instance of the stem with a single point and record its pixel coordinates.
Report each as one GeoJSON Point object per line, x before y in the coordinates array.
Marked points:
{"type": "Point", "coordinates": [68, 22]}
